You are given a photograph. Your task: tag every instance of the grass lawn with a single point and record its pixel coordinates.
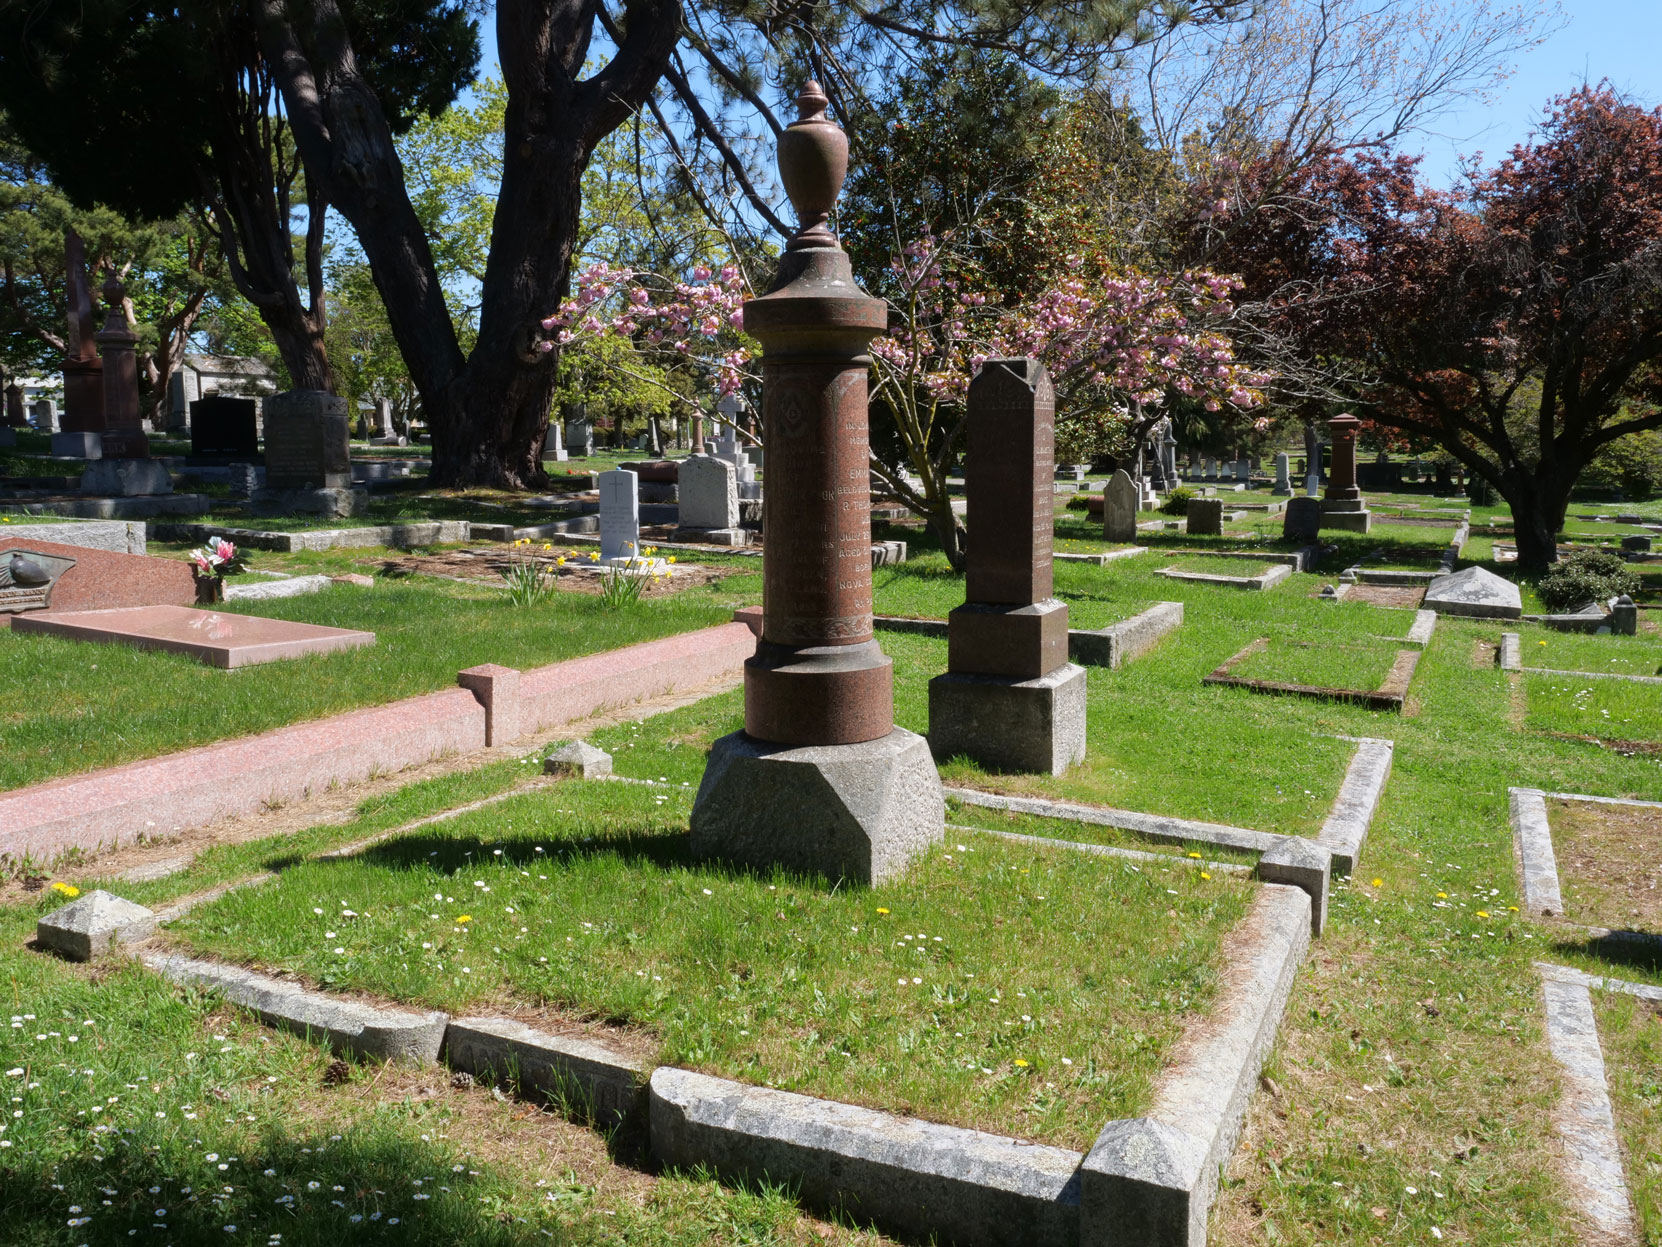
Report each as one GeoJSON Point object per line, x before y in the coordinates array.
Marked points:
{"type": "Point", "coordinates": [1211, 565]}
{"type": "Point", "coordinates": [1570, 651]}
{"type": "Point", "coordinates": [1322, 664]}
{"type": "Point", "coordinates": [1000, 986]}
{"type": "Point", "coordinates": [1630, 1032]}
{"type": "Point", "coordinates": [97, 705]}
{"type": "Point", "coordinates": [1607, 709]}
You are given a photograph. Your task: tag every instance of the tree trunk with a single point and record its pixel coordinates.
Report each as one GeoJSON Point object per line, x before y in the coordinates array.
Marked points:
{"type": "Point", "coordinates": [1539, 500]}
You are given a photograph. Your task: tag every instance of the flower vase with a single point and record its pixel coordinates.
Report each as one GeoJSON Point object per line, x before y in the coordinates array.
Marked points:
{"type": "Point", "coordinates": [210, 590]}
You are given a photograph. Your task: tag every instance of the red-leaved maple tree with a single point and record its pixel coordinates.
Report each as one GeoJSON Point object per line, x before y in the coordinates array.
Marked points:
{"type": "Point", "coordinates": [1516, 320]}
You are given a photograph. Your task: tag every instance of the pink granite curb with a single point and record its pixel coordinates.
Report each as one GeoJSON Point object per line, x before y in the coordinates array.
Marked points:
{"type": "Point", "coordinates": [157, 796]}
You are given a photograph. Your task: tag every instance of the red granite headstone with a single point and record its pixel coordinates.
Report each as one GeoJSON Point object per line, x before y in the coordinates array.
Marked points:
{"type": "Point", "coordinates": [96, 580]}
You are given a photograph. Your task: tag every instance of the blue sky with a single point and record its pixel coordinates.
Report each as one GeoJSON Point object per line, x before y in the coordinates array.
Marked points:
{"type": "Point", "coordinates": [1614, 39]}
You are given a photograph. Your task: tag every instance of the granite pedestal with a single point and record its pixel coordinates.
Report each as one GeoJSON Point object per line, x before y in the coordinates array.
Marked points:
{"type": "Point", "coordinates": [1006, 724]}
{"type": "Point", "coordinates": [859, 811]}
{"type": "Point", "coordinates": [126, 478]}
{"type": "Point", "coordinates": [67, 445]}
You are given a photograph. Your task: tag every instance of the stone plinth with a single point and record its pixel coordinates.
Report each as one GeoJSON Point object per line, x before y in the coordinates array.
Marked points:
{"type": "Point", "coordinates": [218, 639]}
{"type": "Point", "coordinates": [1035, 726]}
{"type": "Point", "coordinates": [93, 925]}
{"type": "Point", "coordinates": [307, 442]}
{"type": "Point", "coordinates": [859, 812]}
{"type": "Point", "coordinates": [819, 780]}
{"type": "Point", "coordinates": [77, 445]}
{"type": "Point", "coordinates": [986, 638]}
{"type": "Point", "coordinates": [333, 503]}
{"type": "Point", "coordinates": [125, 478]}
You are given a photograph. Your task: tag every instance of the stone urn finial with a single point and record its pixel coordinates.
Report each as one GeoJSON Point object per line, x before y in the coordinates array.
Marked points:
{"type": "Point", "coordinates": [115, 304]}
{"type": "Point", "coordinates": [813, 160]}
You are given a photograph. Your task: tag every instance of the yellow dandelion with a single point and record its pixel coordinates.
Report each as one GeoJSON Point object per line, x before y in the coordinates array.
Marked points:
{"type": "Point", "coordinates": [1020, 1063]}
{"type": "Point", "coordinates": [465, 918]}
{"type": "Point", "coordinates": [881, 910]}
{"type": "Point", "coordinates": [1205, 874]}
{"type": "Point", "coordinates": [1511, 909]}
{"type": "Point", "coordinates": [1194, 855]}
{"type": "Point", "coordinates": [66, 889]}
{"type": "Point", "coordinates": [1379, 883]}
{"type": "Point", "coordinates": [1442, 896]}
{"type": "Point", "coordinates": [670, 559]}
{"type": "Point", "coordinates": [1483, 913]}
{"type": "Point", "coordinates": [1540, 642]}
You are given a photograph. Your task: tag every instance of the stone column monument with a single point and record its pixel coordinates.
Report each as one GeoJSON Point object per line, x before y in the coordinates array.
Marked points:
{"type": "Point", "coordinates": [126, 467]}
{"type": "Point", "coordinates": [1343, 506]}
{"type": "Point", "coordinates": [1010, 698]}
{"type": "Point", "coordinates": [1283, 478]}
{"type": "Point", "coordinates": [820, 780]}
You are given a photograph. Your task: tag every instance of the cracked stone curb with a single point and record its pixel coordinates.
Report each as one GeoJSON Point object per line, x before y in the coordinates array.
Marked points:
{"type": "Point", "coordinates": [1152, 1180]}
{"type": "Point", "coordinates": [1532, 844]}
{"type": "Point", "coordinates": [346, 1025]}
{"type": "Point", "coordinates": [586, 1079]}
{"type": "Point", "coordinates": [939, 1182]}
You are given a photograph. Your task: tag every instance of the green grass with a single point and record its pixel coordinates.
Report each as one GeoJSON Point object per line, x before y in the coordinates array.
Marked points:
{"type": "Point", "coordinates": [1570, 651]}
{"type": "Point", "coordinates": [1008, 987]}
{"type": "Point", "coordinates": [1608, 709]}
{"type": "Point", "coordinates": [1204, 565]}
{"type": "Point", "coordinates": [959, 813]}
{"type": "Point", "coordinates": [1318, 663]}
{"type": "Point", "coordinates": [97, 705]}
{"type": "Point", "coordinates": [1630, 1032]}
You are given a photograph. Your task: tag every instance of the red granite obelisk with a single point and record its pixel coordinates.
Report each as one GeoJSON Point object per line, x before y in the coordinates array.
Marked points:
{"type": "Point", "coordinates": [123, 425]}
{"type": "Point", "coordinates": [82, 426]}
{"type": "Point", "coordinates": [820, 780]}
{"type": "Point", "coordinates": [1010, 699]}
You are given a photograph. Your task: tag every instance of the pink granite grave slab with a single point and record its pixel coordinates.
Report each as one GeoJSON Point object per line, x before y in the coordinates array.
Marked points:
{"type": "Point", "coordinates": [219, 639]}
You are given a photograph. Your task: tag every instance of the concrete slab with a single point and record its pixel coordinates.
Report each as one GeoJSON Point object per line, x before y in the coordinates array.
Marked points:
{"type": "Point", "coordinates": [221, 640]}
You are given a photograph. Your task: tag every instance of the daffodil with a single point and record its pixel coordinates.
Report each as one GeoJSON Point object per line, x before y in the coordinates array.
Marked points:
{"type": "Point", "coordinates": [670, 559]}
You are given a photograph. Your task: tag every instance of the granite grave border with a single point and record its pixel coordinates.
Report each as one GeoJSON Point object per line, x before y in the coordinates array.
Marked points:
{"type": "Point", "coordinates": [1509, 657]}
{"type": "Point", "coordinates": [1159, 1172]}
{"type": "Point", "coordinates": [1390, 695]}
{"type": "Point", "coordinates": [1112, 646]}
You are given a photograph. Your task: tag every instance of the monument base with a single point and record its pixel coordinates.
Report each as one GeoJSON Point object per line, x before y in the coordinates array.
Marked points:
{"type": "Point", "coordinates": [331, 502]}
{"type": "Point", "coordinates": [126, 478]}
{"type": "Point", "coordinates": [77, 445]}
{"type": "Point", "coordinates": [1019, 641]}
{"type": "Point", "coordinates": [1005, 724]}
{"type": "Point", "coordinates": [8, 437]}
{"type": "Point", "coordinates": [860, 812]}
{"type": "Point", "coordinates": [1282, 491]}
{"type": "Point", "coordinates": [1349, 514]}
{"type": "Point", "coordinates": [714, 536]}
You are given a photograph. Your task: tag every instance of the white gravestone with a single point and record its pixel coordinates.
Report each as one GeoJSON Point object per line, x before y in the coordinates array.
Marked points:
{"type": "Point", "coordinates": [708, 493]}
{"type": "Point", "coordinates": [1119, 508]}
{"type": "Point", "coordinates": [1283, 481]}
{"type": "Point", "coordinates": [46, 416]}
{"type": "Point", "coordinates": [620, 515]}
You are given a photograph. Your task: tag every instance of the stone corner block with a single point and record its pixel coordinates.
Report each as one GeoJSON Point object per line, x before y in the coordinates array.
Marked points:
{"type": "Point", "coordinates": [750, 617]}
{"type": "Point", "coordinates": [93, 925]}
{"type": "Point", "coordinates": [578, 760]}
{"type": "Point", "coordinates": [860, 812]}
{"type": "Point", "coordinates": [1144, 1182]}
{"type": "Point", "coordinates": [496, 688]}
{"type": "Point", "coordinates": [1031, 726]}
{"type": "Point", "coordinates": [1306, 865]}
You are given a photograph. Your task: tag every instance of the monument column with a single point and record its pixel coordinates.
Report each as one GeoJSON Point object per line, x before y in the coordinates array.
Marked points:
{"type": "Point", "coordinates": [820, 779]}
{"type": "Point", "coordinates": [126, 467]}
{"type": "Point", "coordinates": [1343, 506]}
{"type": "Point", "coordinates": [1010, 698]}
{"type": "Point", "coordinates": [83, 381]}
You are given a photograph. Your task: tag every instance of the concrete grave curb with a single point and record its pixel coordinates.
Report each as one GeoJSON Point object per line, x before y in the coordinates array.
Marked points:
{"type": "Point", "coordinates": [1099, 647]}
{"type": "Point", "coordinates": [1267, 580]}
{"type": "Point", "coordinates": [116, 536]}
{"type": "Point", "coordinates": [604, 1086]}
{"type": "Point", "coordinates": [1100, 560]}
{"type": "Point", "coordinates": [386, 1034]}
{"type": "Point", "coordinates": [1155, 826]}
{"type": "Point", "coordinates": [1390, 695]}
{"type": "Point", "coordinates": [1532, 842]}
{"type": "Point", "coordinates": [400, 536]}
{"type": "Point", "coordinates": [911, 1175]}
{"type": "Point", "coordinates": [1599, 982]}
{"type": "Point", "coordinates": [1152, 1180]}
{"type": "Point", "coordinates": [1584, 1118]}
{"type": "Point", "coordinates": [1510, 655]}
{"type": "Point", "coordinates": [1346, 829]}
{"type": "Point", "coordinates": [1425, 623]}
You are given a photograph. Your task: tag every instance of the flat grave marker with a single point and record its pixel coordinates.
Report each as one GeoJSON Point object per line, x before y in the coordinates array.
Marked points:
{"type": "Point", "coordinates": [221, 640]}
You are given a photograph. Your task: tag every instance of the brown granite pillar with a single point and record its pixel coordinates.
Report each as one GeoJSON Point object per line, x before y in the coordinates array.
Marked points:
{"type": "Point", "coordinates": [123, 427]}
{"type": "Point", "coordinates": [1010, 699]}
{"type": "Point", "coordinates": [15, 416]}
{"type": "Point", "coordinates": [1343, 505]}
{"type": "Point", "coordinates": [820, 781]}
{"type": "Point", "coordinates": [697, 446]}
{"type": "Point", "coordinates": [818, 677]}
{"type": "Point", "coordinates": [83, 371]}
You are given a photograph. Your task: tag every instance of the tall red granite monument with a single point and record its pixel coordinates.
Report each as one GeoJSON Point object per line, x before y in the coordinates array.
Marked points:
{"type": "Point", "coordinates": [820, 780]}
{"type": "Point", "coordinates": [1343, 505]}
{"type": "Point", "coordinates": [82, 432]}
{"type": "Point", "coordinates": [1010, 699]}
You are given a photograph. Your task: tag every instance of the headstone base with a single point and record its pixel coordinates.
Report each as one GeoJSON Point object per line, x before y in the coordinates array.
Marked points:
{"type": "Point", "coordinates": [1351, 516]}
{"type": "Point", "coordinates": [1019, 642]}
{"type": "Point", "coordinates": [77, 445]}
{"type": "Point", "coordinates": [126, 478]}
{"type": "Point", "coordinates": [861, 812]}
{"type": "Point", "coordinates": [8, 437]}
{"type": "Point", "coordinates": [331, 502]}
{"type": "Point", "coordinates": [715, 536]}
{"type": "Point", "coordinates": [1282, 491]}
{"type": "Point", "coordinates": [1031, 726]}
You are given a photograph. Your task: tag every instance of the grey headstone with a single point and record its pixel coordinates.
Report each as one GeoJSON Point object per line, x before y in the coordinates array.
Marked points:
{"type": "Point", "coordinates": [578, 760]}
{"type": "Point", "coordinates": [94, 924]}
{"type": "Point", "coordinates": [1119, 508]}
{"type": "Point", "coordinates": [1302, 520]}
{"type": "Point", "coordinates": [307, 441]}
{"type": "Point", "coordinates": [709, 493]}
{"type": "Point", "coordinates": [1476, 592]}
{"type": "Point", "coordinates": [1205, 517]}
{"type": "Point", "coordinates": [1283, 479]}
{"type": "Point", "coordinates": [1639, 545]}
